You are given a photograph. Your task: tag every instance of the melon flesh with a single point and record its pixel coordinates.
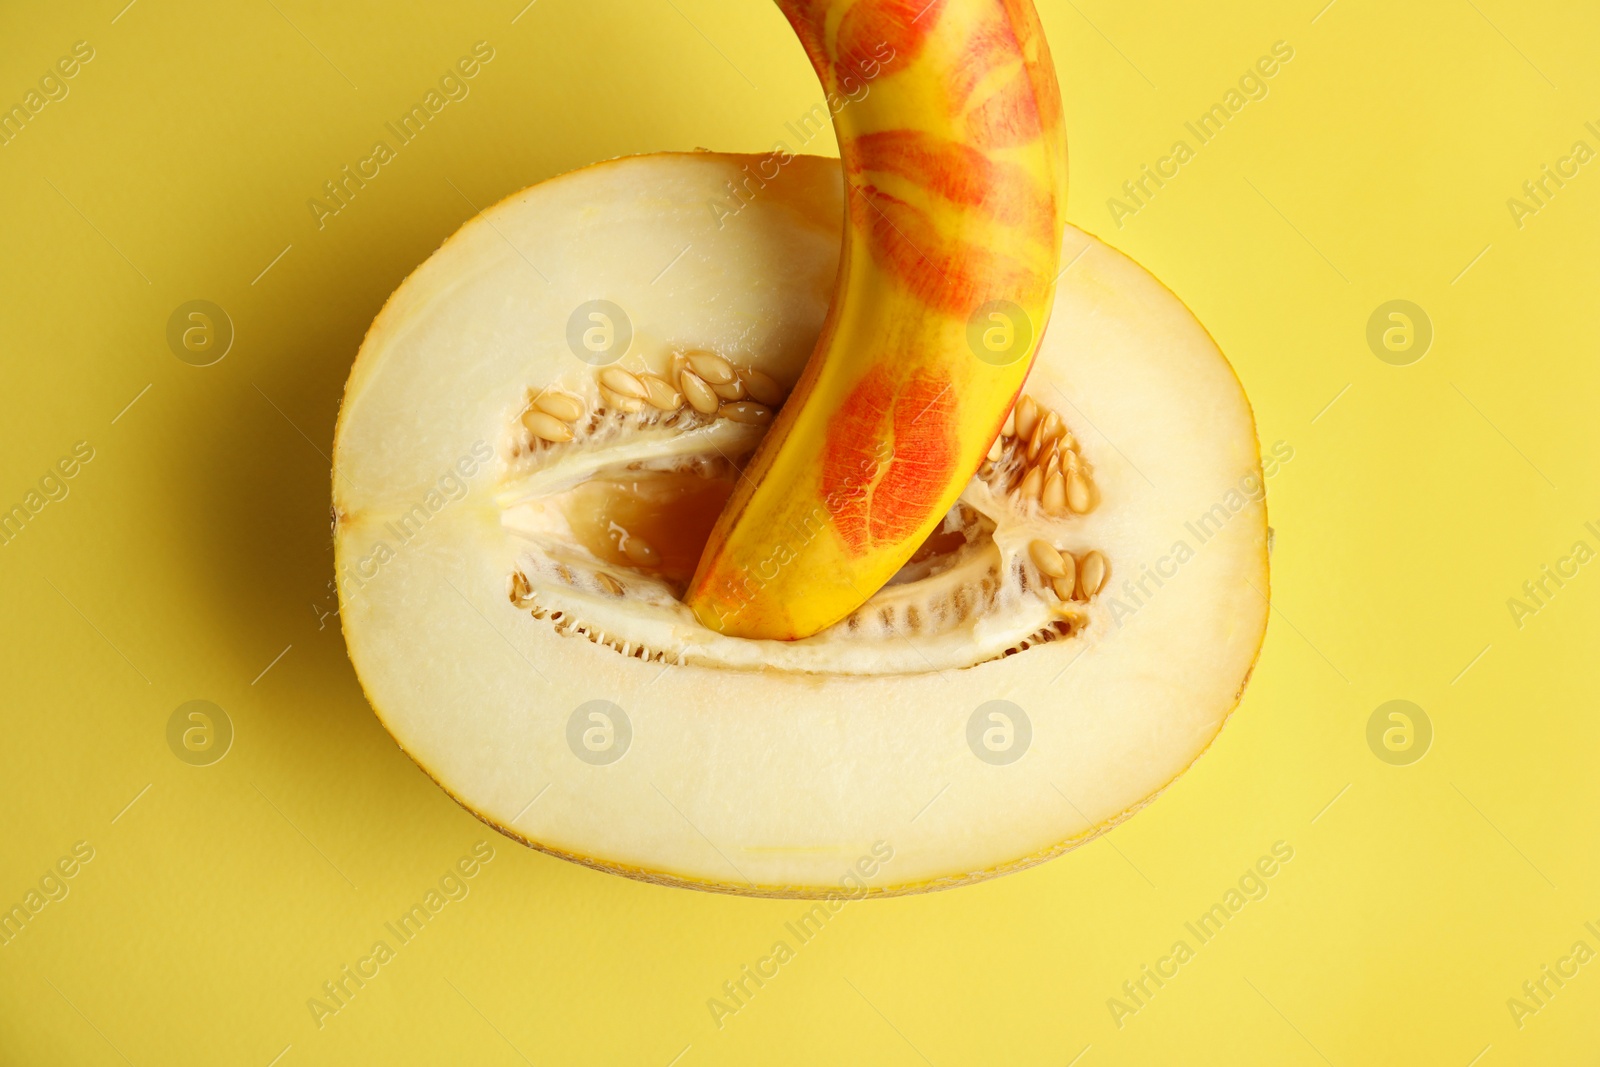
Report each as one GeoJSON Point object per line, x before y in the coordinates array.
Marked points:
{"type": "Point", "coordinates": [765, 767]}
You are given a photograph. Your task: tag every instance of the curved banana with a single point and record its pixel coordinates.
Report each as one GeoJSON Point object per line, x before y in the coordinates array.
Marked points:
{"type": "Point", "coordinates": [950, 128]}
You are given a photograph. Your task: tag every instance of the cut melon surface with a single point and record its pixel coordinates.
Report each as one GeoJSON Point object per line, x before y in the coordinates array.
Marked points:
{"type": "Point", "coordinates": [967, 721]}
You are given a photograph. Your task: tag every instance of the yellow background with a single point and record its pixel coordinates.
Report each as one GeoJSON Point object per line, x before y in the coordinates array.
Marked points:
{"type": "Point", "coordinates": [194, 549]}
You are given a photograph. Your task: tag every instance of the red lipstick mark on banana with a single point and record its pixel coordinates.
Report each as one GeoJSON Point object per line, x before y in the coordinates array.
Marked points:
{"type": "Point", "coordinates": [891, 451]}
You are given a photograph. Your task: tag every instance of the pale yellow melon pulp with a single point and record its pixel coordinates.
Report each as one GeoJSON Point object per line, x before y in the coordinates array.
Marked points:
{"type": "Point", "coordinates": [755, 767]}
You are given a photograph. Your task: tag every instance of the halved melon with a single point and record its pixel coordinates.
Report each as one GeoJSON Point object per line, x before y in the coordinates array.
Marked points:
{"type": "Point", "coordinates": [521, 490]}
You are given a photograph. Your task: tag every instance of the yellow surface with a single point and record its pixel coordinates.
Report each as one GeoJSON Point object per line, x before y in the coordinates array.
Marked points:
{"type": "Point", "coordinates": [190, 558]}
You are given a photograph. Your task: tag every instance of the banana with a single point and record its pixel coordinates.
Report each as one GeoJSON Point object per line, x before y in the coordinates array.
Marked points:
{"type": "Point", "coordinates": [953, 149]}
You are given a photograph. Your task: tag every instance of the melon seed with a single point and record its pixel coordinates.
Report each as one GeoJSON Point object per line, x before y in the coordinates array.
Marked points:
{"type": "Point", "coordinates": [1092, 574]}
{"type": "Point", "coordinates": [711, 367]}
{"type": "Point", "coordinates": [1032, 482]}
{"type": "Point", "coordinates": [733, 390]}
{"type": "Point", "coordinates": [622, 403]}
{"type": "Point", "coordinates": [622, 383]}
{"type": "Point", "coordinates": [698, 393]}
{"type": "Point", "coordinates": [640, 551]}
{"type": "Point", "coordinates": [1078, 493]}
{"type": "Point", "coordinates": [610, 584]}
{"type": "Point", "coordinates": [660, 393]}
{"type": "Point", "coordinates": [1053, 426]}
{"type": "Point", "coordinates": [763, 389]}
{"type": "Point", "coordinates": [1054, 498]}
{"type": "Point", "coordinates": [564, 407]}
{"type": "Point", "coordinates": [746, 412]}
{"type": "Point", "coordinates": [1047, 558]}
{"type": "Point", "coordinates": [1027, 413]}
{"type": "Point", "coordinates": [547, 427]}
{"type": "Point", "coordinates": [1038, 440]}
{"type": "Point", "coordinates": [1045, 432]}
